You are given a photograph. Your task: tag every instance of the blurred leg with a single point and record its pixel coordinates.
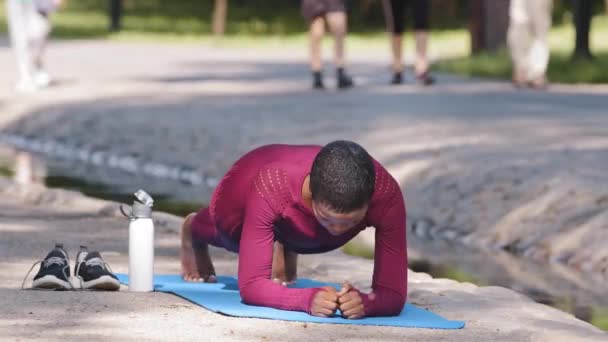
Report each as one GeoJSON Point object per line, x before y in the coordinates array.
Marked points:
{"type": "Point", "coordinates": [421, 10]}
{"type": "Point", "coordinates": [518, 37]}
{"type": "Point", "coordinates": [540, 13]}
{"type": "Point", "coordinates": [337, 26]}
{"type": "Point", "coordinates": [40, 27]}
{"type": "Point", "coordinates": [397, 50]}
{"type": "Point", "coordinates": [393, 14]}
{"type": "Point", "coordinates": [18, 28]}
{"type": "Point", "coordinates": [316, 33]}
{"type": "Point", "coordinates": [422, 63]}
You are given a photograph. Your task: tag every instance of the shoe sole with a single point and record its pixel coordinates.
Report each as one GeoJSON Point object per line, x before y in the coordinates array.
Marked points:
{"type": "Point", "coordinates": [103, 283]}
{"type": "Point", "coordinates": [51, 283]}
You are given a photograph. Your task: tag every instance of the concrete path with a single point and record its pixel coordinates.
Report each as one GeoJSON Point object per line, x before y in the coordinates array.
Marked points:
{"type": "Point", "coordinates": [480, 162]}
{"type": "Point", "coordinates": [33, 218]}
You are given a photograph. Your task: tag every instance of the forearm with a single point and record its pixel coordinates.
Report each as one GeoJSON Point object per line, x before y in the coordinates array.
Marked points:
{"type": "Point", "coordinates": [383, 302]}
{"type": "Point", "coordinates": [265, 292]}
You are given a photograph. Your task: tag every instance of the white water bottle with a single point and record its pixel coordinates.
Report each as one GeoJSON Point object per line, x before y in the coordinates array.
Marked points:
{"type": "Point", "coordinates": [141, 243]}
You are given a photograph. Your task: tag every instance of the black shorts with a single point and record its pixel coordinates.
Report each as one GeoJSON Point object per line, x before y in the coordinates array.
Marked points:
{"type": "Point", "coordinates": [319, 8]}
{"type": "Point", "coordinates": [395, 13]}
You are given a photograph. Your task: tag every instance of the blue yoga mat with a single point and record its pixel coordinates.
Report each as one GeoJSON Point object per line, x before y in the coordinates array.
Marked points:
{"type": "Point", "coordinates": [223, 297]}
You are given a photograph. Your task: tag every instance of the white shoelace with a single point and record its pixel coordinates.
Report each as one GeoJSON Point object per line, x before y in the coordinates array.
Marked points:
{"type": "Point", "coordinates": [96, 262]}
{"type": "Point", "coordinates": [46, 263]}
{"type": "Point", "coordinates": [92, 262]}
{"type": "Point", "coordinates": [53, 260]}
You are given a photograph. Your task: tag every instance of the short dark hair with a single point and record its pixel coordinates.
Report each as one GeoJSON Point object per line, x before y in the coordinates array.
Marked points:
{"type": "Point", "coordinates": [342, 176]}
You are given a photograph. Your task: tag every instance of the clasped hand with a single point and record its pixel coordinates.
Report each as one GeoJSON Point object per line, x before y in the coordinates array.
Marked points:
{"type": "Point", "coordinates": [348, 300]}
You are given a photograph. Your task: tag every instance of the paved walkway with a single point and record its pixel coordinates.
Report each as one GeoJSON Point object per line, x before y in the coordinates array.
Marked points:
{"type": "Point", "coordinates": [202, 107]}
{"type": "Point", "coordinates": [33, 218]}
{"type": "Point", "coordinates": [480, 162]}
{"type": "Point", "coordinates": [476, 158]}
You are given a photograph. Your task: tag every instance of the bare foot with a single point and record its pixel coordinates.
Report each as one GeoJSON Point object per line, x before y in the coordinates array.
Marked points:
{"type": "Point", "coordinates": [519, 78]}
{"type": "Point", "coordinates": [196, 262]}
{"type": "Point", "coordinates": [284, 265]}
{"type": "Point", "coordinates": [539, 83]}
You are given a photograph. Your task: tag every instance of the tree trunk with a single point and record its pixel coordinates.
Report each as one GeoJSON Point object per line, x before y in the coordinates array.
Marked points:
{"type": "Point", "coordinates": [476, 24]}
{"type": "Point", "coordinates": [220, 12]}
{"type": "Point", "coordinates": [488, 24]}
{"type": "Point", "coordinates": [115, 15]}
{"type": "Point", "coordinates": [582, 10]}
{"type": "Point", "coordinates": [497, 24]}
{"type": "Point", "coordinates": [366, 5]}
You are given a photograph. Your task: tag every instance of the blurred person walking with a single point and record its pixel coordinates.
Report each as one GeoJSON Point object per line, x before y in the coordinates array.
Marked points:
{"type": "Point", "coordinates": [394, 14]}
{"type": "Point", "coordinates": [318, 13]}
{"type": "Point", "coordinates": [529, 25]}
{"type": "Point", "coordinates": [29, 27]}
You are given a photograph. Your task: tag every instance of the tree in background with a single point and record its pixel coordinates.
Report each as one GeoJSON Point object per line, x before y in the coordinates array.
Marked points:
{"type": "Point", "coordinates": [220, 14]}
{"type": "Point", "coordinates": [476, 24]}
{"type": "Point", "coordinates": [583, 12]}
{"type": "Point", "coordinates": [115, 14]}
{"type": "Point", "coordinates": [488, 23]}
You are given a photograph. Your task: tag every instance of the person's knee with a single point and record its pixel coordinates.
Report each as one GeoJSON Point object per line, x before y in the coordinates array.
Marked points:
{"type": "Point", "coordinates": [337, 23]}
{"type": "Point", "coordinates": [339, 30]}
{"type": "Point", "coordinates": [317, 34]}
{"type": "Point", "coordinates": [317, 27]}
{"type": "Point", "coordinates": [339, 35]}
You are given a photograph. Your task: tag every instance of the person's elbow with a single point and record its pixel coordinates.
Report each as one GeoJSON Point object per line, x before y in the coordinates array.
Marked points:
{"type": "Point", "coordinates": [248, 293]}
{"type": "Point", "coordinates": [396, 306]}
{"type": "Point", "coordinates": [391, 304]}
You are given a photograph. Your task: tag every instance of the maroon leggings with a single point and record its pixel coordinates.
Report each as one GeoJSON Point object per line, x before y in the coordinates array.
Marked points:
{"type": "Point", "coordinates": [205, 230]}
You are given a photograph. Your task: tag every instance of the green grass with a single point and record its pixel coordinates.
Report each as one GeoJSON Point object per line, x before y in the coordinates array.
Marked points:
{"type": "Point", "coordinates": [5, 172]}
{"type": "Point", "coordinates": [288, 31]}
{"type": "Point", "coordinates": [353, 248]}
{"type": "Point", "coordinates": [97, 190]}
{"type": "Point", "coordinates": [562, 68]}
{"type": "Point", "coordinates": [600, 318]}
{"type": "Point", "coordinates": [244, 30]}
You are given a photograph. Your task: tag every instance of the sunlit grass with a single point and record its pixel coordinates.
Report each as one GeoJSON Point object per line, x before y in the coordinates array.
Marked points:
{"type": "Point", "coordinates": [98, 190]}
{"type": "Point", "coordinates": [290, 32]}
{"type": "Point", "coordinates": [600, 319]}
{"type": "Point", "coordinates": [5, 172]}
{"type": "Point", "coordinates": [356, 249]}
{"type": "Point", "coordinates": [561, 68]}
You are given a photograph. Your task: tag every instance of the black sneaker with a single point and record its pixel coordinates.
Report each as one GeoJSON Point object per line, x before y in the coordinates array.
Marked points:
{"type": "Point", "coordinates": [93, 272]}
{"type": "Point", "coordinates": [425, 79]}
{"type": "Point", "coordinates": [397, 78]}
{"type": "Point", "coordinates": [317, 80]}
{"type": "Point", "coordinates": [54, 273]}
{"type": "Point", "coordinates": [343, 80]}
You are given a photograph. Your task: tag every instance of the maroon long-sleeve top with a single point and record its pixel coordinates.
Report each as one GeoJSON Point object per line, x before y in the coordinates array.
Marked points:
{"type": "Point", "coordinates": [259, 200]}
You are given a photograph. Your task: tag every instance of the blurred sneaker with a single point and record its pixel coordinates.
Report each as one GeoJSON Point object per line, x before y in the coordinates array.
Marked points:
{"type": "Point", "coordinates": [317, 80]}
{"type": "Point", "coordinates": [425, 79]}
{"type": "Point", "coordinates": [25, 87]}
{"type": "Point", "coordinates": [397, 78]}
{"type": "Point", "coordinates": [42, 79]}
{"type": "Point", "coordinates": [343, 80]}
{"type": "Point", "coordinates": [54, 271]}
{"type": "Point", "coordinates": [93, 272]}
{"type": "Point", "coordinates": [539, 83]}
{"type": "Point", "coordinates": [519, 79]}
